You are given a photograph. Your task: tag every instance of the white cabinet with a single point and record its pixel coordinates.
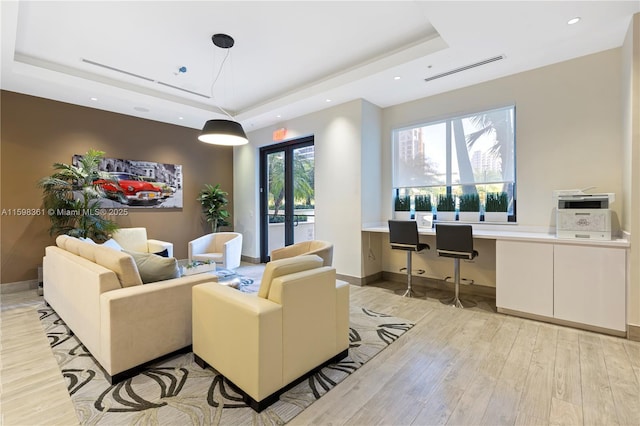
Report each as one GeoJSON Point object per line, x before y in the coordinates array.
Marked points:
{"type": "Point", "coordinates": [589, 285]}
{"type": "Point", "coordinates": [524, 277]}
{"type": "Point", "coordinates": [577, 283]}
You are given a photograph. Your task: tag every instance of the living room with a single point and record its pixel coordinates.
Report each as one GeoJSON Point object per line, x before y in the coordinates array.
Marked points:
{"type": "Point", "coordinates": [565, 140]}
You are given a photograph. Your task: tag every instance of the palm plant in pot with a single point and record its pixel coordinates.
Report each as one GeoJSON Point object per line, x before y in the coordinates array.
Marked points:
{"type": "Point", "coordinates": [73, 201]}
{"type": "Point", "coordinates": [424, 214]}
{"type": "Point", "coordinates": [495, 208]}
{"type": "Point", "coordinates": [446, 208]}
{"type": "Point", "coordinates": [213, 201]}
{"type": "Point", "coordinates": [469, 208]}
{"type": "Point", "coordinates": [402, 207]}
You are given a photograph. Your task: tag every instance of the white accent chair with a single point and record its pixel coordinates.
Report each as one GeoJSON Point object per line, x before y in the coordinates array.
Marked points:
{"type": "Point", "coordinates": [224, 248]}
{"type": "Point", "coordinates": [266, 343]}
{"type": "Point", "coordinates": [135, 239]}
{"type": "Point", "coordinates": [324, 249]}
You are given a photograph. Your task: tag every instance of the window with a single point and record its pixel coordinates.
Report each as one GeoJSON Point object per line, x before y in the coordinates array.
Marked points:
{"type": "Point", "coordinates": [470, 154]}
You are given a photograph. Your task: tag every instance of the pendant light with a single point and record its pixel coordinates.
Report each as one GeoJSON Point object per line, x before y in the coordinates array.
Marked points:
{"type": "Point", "coordinates": [223, 131]}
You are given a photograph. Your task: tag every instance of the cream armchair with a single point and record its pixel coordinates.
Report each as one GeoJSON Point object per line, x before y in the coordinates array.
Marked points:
{"type": "Point", "coordinates": [320, 248]}
{"type": "Point", "coordinates": [266, 343]}
{"type": "Point", "coordinates": [135, 239]}
{"type": "Point", "coordinates": [224, 248]}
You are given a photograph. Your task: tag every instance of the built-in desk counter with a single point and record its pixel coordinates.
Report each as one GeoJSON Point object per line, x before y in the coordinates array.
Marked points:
{"type": "Point", "coordinates": [581, 283]}
{"type": "Point", "coordinates": [512, 233]}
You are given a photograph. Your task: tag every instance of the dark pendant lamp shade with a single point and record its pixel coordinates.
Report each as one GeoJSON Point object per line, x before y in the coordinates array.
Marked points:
{"type": "Point", "coordinates": [223, 132]}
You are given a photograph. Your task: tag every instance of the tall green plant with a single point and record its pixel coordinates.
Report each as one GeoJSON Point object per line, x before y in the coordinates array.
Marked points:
{"type": "Point", "coordinates": [72, 201]}
{"type": "Point", "coordinates": [213, 201]}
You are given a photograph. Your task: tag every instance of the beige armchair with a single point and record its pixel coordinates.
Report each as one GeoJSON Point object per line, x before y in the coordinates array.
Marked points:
{"type": "Point", "coordinates": [320, 248]}
{"type": "Point", "coordinates": [268, 342]}
{"type": "Point", "coordinates": [135, 239]}
{"type": "Point", "coordinates": [224, 248]}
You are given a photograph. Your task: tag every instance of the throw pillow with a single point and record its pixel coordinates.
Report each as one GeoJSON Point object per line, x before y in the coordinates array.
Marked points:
{"type": "Point", "coordinates": [153, 268]}
{"type": "Point", "coordinates": [163, 253]}
{"type": "Point", "coordinates": [113, 244]}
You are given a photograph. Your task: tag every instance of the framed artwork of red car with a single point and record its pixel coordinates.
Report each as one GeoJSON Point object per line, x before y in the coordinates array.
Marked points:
{"type": "Point", "coordinates": [138, 184]}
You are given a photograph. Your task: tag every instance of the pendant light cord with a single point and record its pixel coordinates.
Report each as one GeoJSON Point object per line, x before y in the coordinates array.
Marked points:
{"type": "Point", "coordinates": [215, 80]}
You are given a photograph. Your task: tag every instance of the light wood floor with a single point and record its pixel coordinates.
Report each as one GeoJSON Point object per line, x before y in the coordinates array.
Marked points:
{"type": "Point", "coordinates": [456, 367]}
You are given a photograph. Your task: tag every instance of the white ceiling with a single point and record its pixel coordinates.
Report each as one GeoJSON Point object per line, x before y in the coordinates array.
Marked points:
{"type": "Point", "coordinates": [289, 56]}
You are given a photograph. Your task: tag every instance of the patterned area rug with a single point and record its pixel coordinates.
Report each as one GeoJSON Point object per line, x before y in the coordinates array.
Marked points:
{"type": "Point", "coordinates": [245, 279]}
{"type": "Point", "coordinates": [178, 392]}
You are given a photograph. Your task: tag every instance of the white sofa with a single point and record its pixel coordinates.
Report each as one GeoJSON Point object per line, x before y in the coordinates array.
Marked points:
{"type": "Point", "coordinates": [98, 293]}
{"type": "Point", "coordinates": [266, 343]}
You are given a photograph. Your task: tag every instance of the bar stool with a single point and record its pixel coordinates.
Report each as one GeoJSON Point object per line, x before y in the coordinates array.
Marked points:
{"type": "Point", "coordinates": [403, 235]}
{"type": "Point", "coordinates": [456, 241]}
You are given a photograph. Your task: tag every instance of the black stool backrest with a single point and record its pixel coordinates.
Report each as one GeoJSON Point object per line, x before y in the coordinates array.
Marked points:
{"type": "Point", "coordinates": [403, 233]}
{"type": "Point", "coordinates": [454, 241]}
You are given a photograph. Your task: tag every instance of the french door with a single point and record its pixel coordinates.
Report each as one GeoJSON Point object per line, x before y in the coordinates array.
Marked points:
{"type": "Point", "coordinates": [287, 195]}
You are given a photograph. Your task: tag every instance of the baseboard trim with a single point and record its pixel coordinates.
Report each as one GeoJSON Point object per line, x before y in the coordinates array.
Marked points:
{"type": "Point", "coordinates": [633, 332]}
{"type": "Point", "coordinates": [18, 286]}
{"type": "Point", "coordinates": [556, 321]}
{"type": "Point", "coordinates": [433, 283]}
{"type": "Point", "coordinates": [248, 259]}
{"type": "Point", "coordinates": [360, 281]}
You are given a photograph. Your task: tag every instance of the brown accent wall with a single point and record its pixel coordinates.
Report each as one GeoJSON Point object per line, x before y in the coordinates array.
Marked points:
{"type": "Point", "coordinates": [36, 132]}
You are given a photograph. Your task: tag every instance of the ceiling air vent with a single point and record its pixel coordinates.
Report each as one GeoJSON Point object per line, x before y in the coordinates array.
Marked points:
{"type": "Point", "coordinates": [121, 71]}
{"type": "Point", "coordinates": [98, 64]}
{"type": "Point", "coordinates": [464, 68]}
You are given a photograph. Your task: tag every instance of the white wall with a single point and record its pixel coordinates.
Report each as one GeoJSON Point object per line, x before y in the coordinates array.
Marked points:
{"type": "Point", "coordinates": [338, 183]}
{"type": "Point", "coordinates": [630, 100]}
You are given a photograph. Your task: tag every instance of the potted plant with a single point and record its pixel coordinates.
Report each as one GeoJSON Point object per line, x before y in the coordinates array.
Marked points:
{"type": "Point", "coordinates": [402, 207]}
{"type": "Point", "coordinates": [72, 200]}
{"type": "Point", "coordinates": [469, 208]}
{"type": "Point", "coordinates": [446, 209]}
{"type": "Point", "coordinates": [213, 201]}
{"type": "Point", "coordinates": [495, 208]}
{"type": "Point", "coordinates": [424, 213]}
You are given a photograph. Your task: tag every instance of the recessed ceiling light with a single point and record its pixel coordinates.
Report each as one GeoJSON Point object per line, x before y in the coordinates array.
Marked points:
{"type": "Point", "coordinates": [94, 99]}
{"type": "Point", "coordinates": [180, 118]}
{"type": "Point", "coordinates": [328, 100]}
{"type": "Point", "coordinates": [397, 77]}
{"type": "Point", "coordinates": [573, 20]}
{"type": "Point", "coordinates": [278, 116]}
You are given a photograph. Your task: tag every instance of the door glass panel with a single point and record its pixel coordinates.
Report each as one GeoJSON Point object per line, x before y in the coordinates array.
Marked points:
{"type": "Point", "coordinates": [303, 194]}
{"type": "Point", "coordinates": [276, 200]}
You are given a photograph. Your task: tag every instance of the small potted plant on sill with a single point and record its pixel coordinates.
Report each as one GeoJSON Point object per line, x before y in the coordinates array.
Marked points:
{"type": "Point", "coordinates": [495, 208]}
{"type": "Point", "coordinates": [424, 213]}
{"type": "Point", "coordinates": [446, 209]}
{"type": "Point", "coordinates": [402, 207]}
{"type": "Point", "coordinates": [469, 208]}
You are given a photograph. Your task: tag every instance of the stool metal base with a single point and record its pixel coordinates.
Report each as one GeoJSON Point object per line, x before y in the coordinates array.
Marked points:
{"type": "Point", "coordinates": [455, 301]}
{"type": "Point", "coordinates": [458, 303]}
{"type": "Point", "coordinates": [410, 292]}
